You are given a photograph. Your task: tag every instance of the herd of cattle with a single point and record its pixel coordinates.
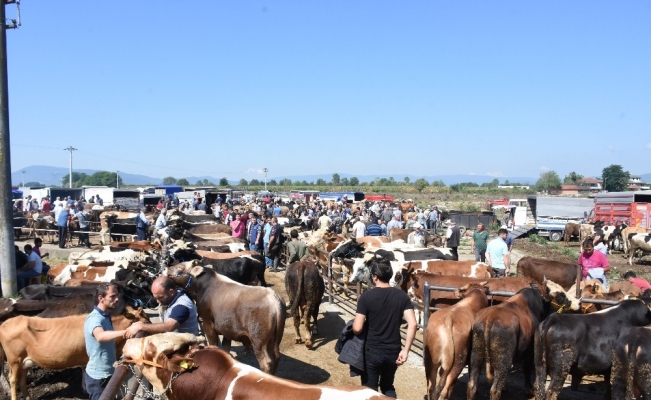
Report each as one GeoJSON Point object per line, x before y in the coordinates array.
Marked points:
{"type": "Point", "coordinates": [631, 240]}
{"type": "Point", "coordinates": [544, 325]}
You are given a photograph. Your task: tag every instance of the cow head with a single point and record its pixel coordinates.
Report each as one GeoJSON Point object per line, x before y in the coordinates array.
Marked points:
{"type": "Point", "coordinates": [349, 249]}
{"type": "Point", "coordinates": [159, 356]}
{"type": "Point", "coordinates": [561, 301]}
{"type": "Point", "coordinates": [464, 290]}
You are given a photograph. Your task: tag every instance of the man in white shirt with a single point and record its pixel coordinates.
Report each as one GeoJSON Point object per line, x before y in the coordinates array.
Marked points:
{"type": "Point", "coordinates": [497, 254]}
{"type": "Point", "coordinates": [394, 223]}
{"type": "Point", "coordinates": [358, 228]}
{"type": "Point", "coordinates": [33, 267]}
{"type": "Point", "coordinates": [417, 238]}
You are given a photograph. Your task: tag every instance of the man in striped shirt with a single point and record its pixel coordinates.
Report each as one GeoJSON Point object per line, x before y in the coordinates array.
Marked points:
{"type": "Point", "coordinates": [374, 229]}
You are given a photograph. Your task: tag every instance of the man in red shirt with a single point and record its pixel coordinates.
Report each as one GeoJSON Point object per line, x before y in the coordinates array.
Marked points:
{"type": "Point", "coordinates": [639, 282]}
{"type": "Point", "coordinates": [45, 206]}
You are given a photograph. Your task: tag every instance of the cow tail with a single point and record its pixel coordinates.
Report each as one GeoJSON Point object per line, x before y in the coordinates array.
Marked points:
{"type": "Point", "coordinates": [299, 291]}
{"type": "Point", "coordinates": [540, 362]}
{"type": "Point", "coordinates": [629, 371]}
{"type": "Point", "coordinates": [448, 356]}
{"type": "Point", "coordinates": [487, 351]}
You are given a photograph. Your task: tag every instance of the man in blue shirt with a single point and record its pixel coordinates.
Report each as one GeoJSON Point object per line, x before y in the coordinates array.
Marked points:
{"type": "Point", "coordinates": [84, 226]}
{"type": "Point", "coordinates": [62, 226]}
{"type": "Point", "coordinates": [374, 229]}
{"type": "Point", "coordinates": [179, 313]}
{"type": "Point", "coordinates": [141, 224]}
{"type": "Point", "coordinates": [99, 336]}
{"type": "Point", "coordinates": [255, 234]}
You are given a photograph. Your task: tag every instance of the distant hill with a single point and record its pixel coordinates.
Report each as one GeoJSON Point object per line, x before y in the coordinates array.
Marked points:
{"type": "Point", "coordinates": [52, 176]}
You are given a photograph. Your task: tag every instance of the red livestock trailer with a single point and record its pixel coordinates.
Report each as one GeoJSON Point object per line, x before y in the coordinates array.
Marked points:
{"type": "Point", "coordinates": [633, 208]}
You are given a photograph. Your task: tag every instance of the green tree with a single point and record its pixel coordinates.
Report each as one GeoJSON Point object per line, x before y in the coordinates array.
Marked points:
{"type": "Point", "coordinates": [548, 181]}
{"type": "Point", "coordinates": [34, 184]}
{"type": "Point", "coordinates": [336, 179]}
{"type": "Point", "coordinates": [78, 179]}
{"type": "Point", "coordinates": [438, 183]}
{"type": "Point", "coordinates": [183, 182]}
{"type": "Point", "coordinates": [572, 178]}
{"type": "Point", "coordinates": [492, 184]}
{"type": "Point", "coordinates": [223, 181]}
{"type": "Point", "coordinates": [420, 184]}
{"type": "Point", "coordinates": [345, 182]}
{"type": "Point", "coordinates": [321, 182]}
{"type": "Point", "coordinates": [169, 180]}
{"type": "Point", "coordinates": [273, 182]}
{"type": "Point", "coordinates": [243, 182]}
{"type": "Point", "coordinates": [102, 178]}
{"type": "Point", "coordinates": [407, 180]}
{"type": "Point", "coordinates": [354, 181]}
{"type": "Point", "coordinates": [255, 182]}
{"type": "Point", "coordinates": [198, 183]}
{"type": "Point", "coordinates": [615, 178]}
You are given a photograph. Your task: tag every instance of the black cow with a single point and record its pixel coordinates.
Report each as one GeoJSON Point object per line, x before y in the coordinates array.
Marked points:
{"type": "Point", "coordinates": [502, 335]}
{"type": "Point", "coordinates": [632, 364]}
{"type": "Point", "coordinates": [244, 270]}
{"type": "Point", "coordinates": [582, 344]}
{"type": "Point", "coordinates": [305, 288]}
{"type": "Point", "coordinates": [81, 300]}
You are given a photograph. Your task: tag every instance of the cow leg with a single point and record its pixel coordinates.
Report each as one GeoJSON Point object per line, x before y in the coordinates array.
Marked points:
{"type": "Point", "coordinates": [476, 361]}
{"type": "Point", "coordinates": [297, 323]}
{"type": "Point", "coordinates": [527, 368]}
{"type": "Point", "coordinates": [14, 372]}
{"type": "Point", "coordinates": [211, 333]}
{"type": "Point", "coordinates": [23, 383]}
{"type": "Point", "coordinates": [558, 370]}
{"type": "Point", "coordinates": [264, 354]}
{"type": "Point", "coordinates": [226, 344]}
{"type": "Point", "coordinates": [500, 362]}
{"type": "Point", "coordinates": [308, 332]}
{"type": "Point", "coordinates": [449, 379]}
{"type": "Point", "coordinates": [608, 394]}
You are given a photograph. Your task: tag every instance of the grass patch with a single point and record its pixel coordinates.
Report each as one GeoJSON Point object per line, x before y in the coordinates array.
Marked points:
{"type": "Point", "coordinates": [533, 238]}
{"type": "Point", "coordinates": [569, 252]}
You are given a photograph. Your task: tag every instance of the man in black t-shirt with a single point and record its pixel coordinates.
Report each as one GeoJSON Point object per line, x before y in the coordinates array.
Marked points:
{"type": "Point", "coordinates": [380, 312]}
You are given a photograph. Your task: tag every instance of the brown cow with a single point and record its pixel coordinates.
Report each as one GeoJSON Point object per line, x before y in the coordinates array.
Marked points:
{"type": "Point", "coordinates": [209, 229]}
{"type": "Point", "coordinates": [445, 299]}
{"type": "Point", "coordinates": [571, 229]}
{"type": "Point", "coordinates": [214, 375]}
{"type": "Point", "coordinates": [540, 269]}
{"type": "Point", "coordinates": [55, 343]}
{"type": "Point", "coordinates": [504, 334]}
{"type": "Point", "coordinates": [212, 255]}
{"type": "Point", "coordinates": [447, 342]}
{"type": "Point", "coordinates": [469, 269]}
{"type": "Point", "coordinates": [305, 288]}
{"type": "Point", "coordinates": [252, 315]}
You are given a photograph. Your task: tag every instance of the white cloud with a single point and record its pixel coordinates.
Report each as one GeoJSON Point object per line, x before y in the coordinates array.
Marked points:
{"type": "Point", "coordinates": [494, 174]}
{"type": "Point", "coordinates": [472, 173]}
{"type": "Point", "coordinates": [648, 145]}
{"type": "Point", "coordinates": [543, 168]}
{"type": "Point", "coordinates": [254, 171]}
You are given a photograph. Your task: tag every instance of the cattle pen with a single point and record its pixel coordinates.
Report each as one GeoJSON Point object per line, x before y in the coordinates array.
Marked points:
{"type": "Point", "coordinates": [346, 298]}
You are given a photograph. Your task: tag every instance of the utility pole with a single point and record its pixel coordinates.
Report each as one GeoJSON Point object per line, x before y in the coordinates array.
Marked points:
{"type": "Point", "coordinates": [265, 170]}
{"type": "Point", "coordinates": [7, 255]}
{"type": "Point", "coordinates": [70, 149]}
{"type": "Point", "coordinates": [23, 171]}
{"type": "Point", "coordinates": [117, 179]}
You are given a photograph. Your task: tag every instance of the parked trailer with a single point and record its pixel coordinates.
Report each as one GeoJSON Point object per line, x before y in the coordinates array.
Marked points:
{"type": "Point", "coordinates": [632, 208]}
{"type": "Point", "coordinates": [551, 214]}
{"type": "Point", "coordinates": [469, 220]}
{"type": "Point", "coordinates": [125, 198]}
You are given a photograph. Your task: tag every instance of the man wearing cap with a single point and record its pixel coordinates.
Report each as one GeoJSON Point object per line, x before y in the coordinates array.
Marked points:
{"type": "Point", "coordinates": [452, 238]}
{"type": "Point", "coordinates": [417, 237]}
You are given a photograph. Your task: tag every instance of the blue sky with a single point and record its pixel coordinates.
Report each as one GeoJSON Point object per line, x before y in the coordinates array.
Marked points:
{"type": "Point", "coordinates": [506, 88]}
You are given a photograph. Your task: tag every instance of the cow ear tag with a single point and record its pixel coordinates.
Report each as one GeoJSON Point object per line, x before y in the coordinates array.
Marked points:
{"type": "Point", "coordinates": [186, 364]}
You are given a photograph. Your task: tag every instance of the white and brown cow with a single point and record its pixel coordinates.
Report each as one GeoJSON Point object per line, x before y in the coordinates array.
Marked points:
{"type": "Point", "coordinates": [174, 363]}
{"type": "Point", "coordinates": [641, 242]}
